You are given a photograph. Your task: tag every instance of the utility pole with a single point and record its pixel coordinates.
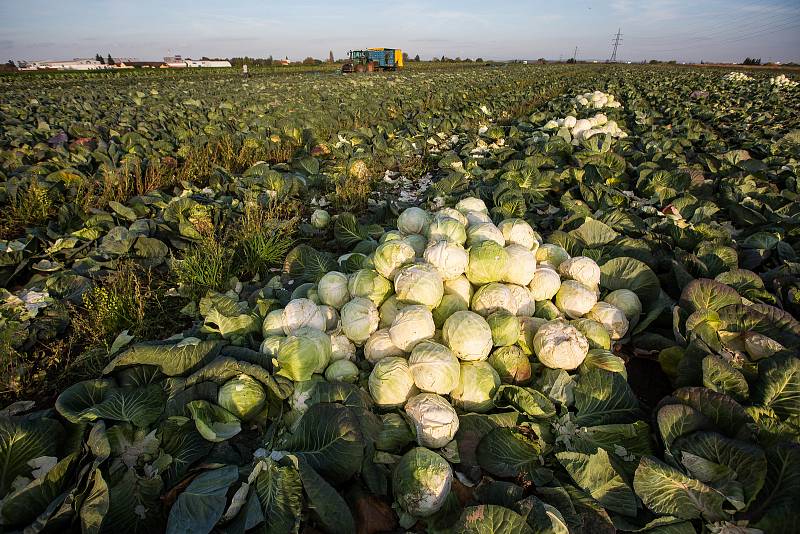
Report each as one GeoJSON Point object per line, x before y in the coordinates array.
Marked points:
{"type": "Point", "coordinates": [575, 54]}
{"type": "Point", "coordinates": [616, 43]}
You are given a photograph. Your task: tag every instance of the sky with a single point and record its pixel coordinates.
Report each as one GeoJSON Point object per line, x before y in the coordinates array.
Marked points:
{"type": "Point", "coordinates": [683, 30]}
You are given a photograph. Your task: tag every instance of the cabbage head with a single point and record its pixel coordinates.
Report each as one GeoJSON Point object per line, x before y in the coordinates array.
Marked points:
{"type": "Point", "coordinates": [273, 324]}
{"type": "Point", "coordinates": [559, 345]}
{"type": "Point", "coordinates": [488, 262]}
{"type": "Point", "coordinates": [545, 284]}
{"type": "Point", "coordinates": [551, 255]}
{"type": "Point", "coordinates": [486, 231]}
{"type": "Point", "coordinates": [434, 367]}
{"type": "Point", "coordinates": [380, 346]}
{"type": "Point", "coordinates": [421, 482]}
{"type": "Point", "coordinates": [476, 387]}
{"type": "Point", "coordinates": [332, 289]}
{"type": "Point", "coordinates": [368, 284]}
{"type": "Point", "coordinates": [581, 269]}
{"type": "Point", "coordinates": [521, 265]}
{"type": "Point", "coordinates": [449, 259]}
{"type": "Point", "coordinates": [360, 319]}
{"type": "Point", "coordinates": [320, 219]}
{"type": "Point", "coordinates": [342, 371]}
{"type": "Point", "coordinates": [611, 317]}
{"type": "Point", "coordinates": [447, 307]}
{"type": "Point", "coordinates": [412, 325]}
{"type": "Point", "coordinates": [519, 232]}
{"type": "Point", "coordinates": [301, 355]}
{"type": "Point", "coordinates": [413, 221]}
{"type": "Point", "coordinates": [435, 420]}
{"type": "Point", "coordinates": [444, 228]}
{"type": "Point", "coordinates": [471, 204]}
{"type": "Point", "coordinates": [391, 383]}
{"type": "Point", "coordinates": [300, 313]}
{"type": "Point", "coordinates": [505, 328]}
{"type": "Point", "coordinates": [627, 301]}
{"type": "Point", "coordinates": [391, 255]}
{"type": "Point", "coordinates": [494, 297]}
{"type": "Point", "coordinates": [575, 299]}
{"type": "Point", "coordinates": [243, 396]}
{"type": "Point", "coordinates": [468, 335]}
{"type": "Point", "coordinates": [419, 283]}
{"type": "Point", "coordinates": [512, 365]}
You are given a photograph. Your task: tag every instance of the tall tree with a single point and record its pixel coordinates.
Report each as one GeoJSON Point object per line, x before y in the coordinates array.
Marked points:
{"type": "Point", "coordinates": [330, 56]}
{"type": "Point", "coordinates": [416, 58]}
{"type": "Point", "coordinates": [110, 60]}
{"type": "Point", "coordinates": [99, 58]}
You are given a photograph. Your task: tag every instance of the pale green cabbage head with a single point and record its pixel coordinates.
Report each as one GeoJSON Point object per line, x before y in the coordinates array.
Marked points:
{"type": "Point", "coordinates": [360, 319]}
{"type": "Point", "coordinates": [342, 371]}
{"type": "Point", "coordinates": [488, 262]}
{"type": "Point", "coordinates": [436, 422]}
{"type": "Point", "coordinates": [391, 383]}
{"type": "Point", "coordinates": [419, 283]}
{"type": "Point", "coordinates": [413, 221]}
{"type": "Point", "coordinates": [484, 232]}
{"type": "Point", "coordinates": [320, 219]}
{"type": "Point", "coordinates": [370, 285]}
{"type": "Point", "coordinates": [627, 301]}
{"type": "Point", "coordinates": [545, 284]}
{"type": "Point", "coordinates": [611, 317]}
{"type": "Point", "coordinates": [391, 255]}
{"type": "Point", "coordinates": [494, 297]}
{"type": "Point", "coordinates": [519, 232]}
{"type": "Point", "coordinates": [471, 204]}
{"type": "Point", "coordinates": [434, 367]}
{"type": "Point", "coordinates": [581, 269]}
{"type": "Point", "coordinates": [476, 387]}
{"type": "Point", "coordinates": [559, 345]}
{"type": "Point", "coordinates": [575, 299]}
{"type": "Point", "coordinates": [304, 353]}
{"type": "Point", "coordinates": [521, 265]}
{"type": "Point", "coordinates": [512, 365]}
{"type": "Point", "coordinates": [300, 313]}
{"type": "Point", "coordinates": [412, 325]}
{"type": "Point", "coordinates": [449, 259]}
{"type": "Point", "coordinates": [380, 346]}
{"type": "Point", "coordinates": [595, 333]}
{"type": "Point", "coordinates": [468, 335]}
{"type": "Point", "coordinates": [526, 306]}
{"type": "Point", "coordinates": [445, 228]}
{"type": "Point", "coordinates": [505, 328]}
{"type": "Point", "coordinates": [332, 289]}
{"type": "Point", "coordinates": [243, 396]}
{"type": "Point", "coordinates": [551, 255]}
{"type": "Point", "coordinates": [273, 324]}
{"type": "Point", "coordinates": [421, 482]}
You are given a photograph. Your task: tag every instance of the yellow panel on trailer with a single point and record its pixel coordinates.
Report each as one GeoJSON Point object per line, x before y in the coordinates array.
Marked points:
{"type": "Point", "coordinates": [398, 57]}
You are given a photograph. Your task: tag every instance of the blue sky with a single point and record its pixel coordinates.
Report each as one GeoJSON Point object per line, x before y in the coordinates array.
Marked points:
{"type": "Point", "coordinates": [685, 30]}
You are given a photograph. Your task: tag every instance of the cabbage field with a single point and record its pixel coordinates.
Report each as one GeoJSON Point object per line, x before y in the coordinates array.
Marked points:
{"type": "Point", "coordinates": [475, 298]}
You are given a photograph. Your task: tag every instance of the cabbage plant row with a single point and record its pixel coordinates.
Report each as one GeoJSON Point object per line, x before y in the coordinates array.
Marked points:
{"type": "Point", "coordinates": [587, 324]}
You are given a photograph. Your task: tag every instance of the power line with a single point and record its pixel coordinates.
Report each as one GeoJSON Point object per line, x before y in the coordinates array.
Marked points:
{"type": "Point", "coordinates": [617, 41]}
{"type": "Point", "coordinates": [738, 38]}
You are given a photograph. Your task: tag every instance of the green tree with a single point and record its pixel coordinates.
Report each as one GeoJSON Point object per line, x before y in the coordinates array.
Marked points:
{"type": "Point", "coordinates": [330, 56]}
{"type": "Point", "coordinates": [110, 60]}
{"type": "Point", "coordinates": [416, 58]}
{"type": "Point", "coordinates": [99, 58]}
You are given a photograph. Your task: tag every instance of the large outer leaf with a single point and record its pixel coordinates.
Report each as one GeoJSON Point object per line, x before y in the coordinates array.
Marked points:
{"type": "Point", "coordinates": [594, 233]}
{"type": "Point", "coordinates": [594, 474]}
{"type": "Point", "coordinates": [281, 495]}
{"type": "Point", "coordinates": [675, 420]}
{"type": "Point", "coordinates": [171, 359]}
{"type": "Point", "coordinates": [491, 519]}
{"type": "Point", "coordinates": [202, 503]}
{"type": "Point", "coordinates": [24, 440]}
{"type": "Point", "coordinates": [724, 412]}
{"type": "Point", "coordinates": [745, 459]}
{"type": "Point", "coordinates": [666, 490]}
{"type": "Point", "coordinates": [329, 506]}
{"type": "Point", "coordinates": [329, 439]}
{"type": "Point", "coordinates": [134, 504]}
{"type": "Point", "coordinates": [602, 397]}
{"type": "Point", "coordinates": [22, 507]}
{"type": "Point", "coordinates": [780, 496]}
{"type": "Point", "coordinates": [179, 438]}
{"type": "Point", "coordinates": [722, 377]}
{"type": "Point", "coordinates": [95, 506]}
{"type": "Point", "coordinates": [778, 385]}
{"type": "Point", "coordinates": [630, 273]}
{"type": "Point", "coordinates": [504, 452]}
{"type": "Point", "coordinates": [707, 294]}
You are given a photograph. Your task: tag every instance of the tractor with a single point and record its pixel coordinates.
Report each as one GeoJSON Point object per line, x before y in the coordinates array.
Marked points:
{"type": "Point", "coordinates": [373, 59]}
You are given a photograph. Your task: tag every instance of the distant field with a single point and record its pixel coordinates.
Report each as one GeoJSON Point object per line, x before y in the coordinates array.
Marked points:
{"type": "Point", "coordinates": [459, 297]}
